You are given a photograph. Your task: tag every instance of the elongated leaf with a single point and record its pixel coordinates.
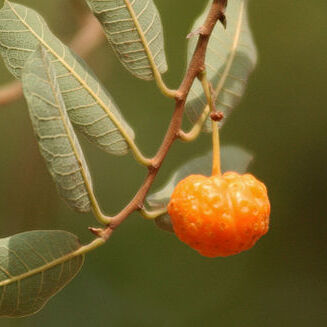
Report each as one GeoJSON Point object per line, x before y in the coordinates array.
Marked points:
{"type": "Point", "coordinates": [231, 57]}
{"type": "Point", "coordinates": [134, 30]}
{"type": "Point", "coordinates": [34, 266]}
{"type": "Point", "coordinates": [232, 159]}
{"type": "Point", "coordinates": [57, 140]}
{"type": "Point", "coordinates": [90, 108]}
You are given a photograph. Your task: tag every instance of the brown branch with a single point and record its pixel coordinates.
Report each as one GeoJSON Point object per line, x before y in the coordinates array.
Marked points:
{"type": "Point", "coordinates": [10, 92]}
{"type": "Point", "coordinates": [89, 37]}
{"type": "Point", "coordinates": [196, 66]}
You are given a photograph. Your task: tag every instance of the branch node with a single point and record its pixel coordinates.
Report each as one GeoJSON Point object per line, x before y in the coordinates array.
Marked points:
{"type": "Point", "coordinates": [154, 167]}
{"type": "Point", "coordinates": [194, 33]}
{"type": "Point", "coordinates": [217, 116]}
{"type": "Point", "coordinates": [140, 206]}
{"type": "Point", "coordinates": [223, 20]}
{"type": "Point", "coordinates": [179, 96]}
{"type": "Point", "coordinates": [221, 14]}
{"type": "Point", "coordinates": [102, 233]}
{"type": "Point", "coordinates": [202, 68]}
{"type": "Point", "coordinates": [205, 31]}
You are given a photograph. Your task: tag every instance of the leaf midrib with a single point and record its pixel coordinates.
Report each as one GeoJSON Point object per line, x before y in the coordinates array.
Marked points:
{"type": "Point", "coordinates": [41, 268]}
{"type": "Point", "coordinates": [147, 50]}
{"type": "Point", "coordinates": [79, 252]}
{"type": "Point", "coordinates": [233, 52]}
{"type": "Point", "coordinates": [68, 129]}
{"type": "Point", "coordinates": [79, 79]}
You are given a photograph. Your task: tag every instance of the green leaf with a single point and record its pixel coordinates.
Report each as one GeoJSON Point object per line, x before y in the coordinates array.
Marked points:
{"type": "Point", "coordinates": [232, 159]}
{"type": "Point", "coordinates": [231, 57]}
{"type": "Point", "coordinates": [134, 31]}
{"type": "Point", "coordinates": [164, 223]}
{"type": "Point", "coordinates": [89, 107]}
{"type": "Point", "coordinates": [34, 266]}
{"type": "Point", "coordinates": [57, 140]}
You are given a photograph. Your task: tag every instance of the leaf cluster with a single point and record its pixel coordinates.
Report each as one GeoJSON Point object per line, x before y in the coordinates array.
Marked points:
{"type": "Point", "coordinates": [64, 96]}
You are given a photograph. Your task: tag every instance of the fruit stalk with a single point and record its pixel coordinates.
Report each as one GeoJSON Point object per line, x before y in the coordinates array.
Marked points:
{"type": "Point", "coordinates": [215, 117]}
{"type": "Point", "coordinates": [216, 170]}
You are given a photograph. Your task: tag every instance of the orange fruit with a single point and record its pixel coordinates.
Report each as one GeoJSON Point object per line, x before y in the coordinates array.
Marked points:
{"type": "Point", "coordinates": [220, 215]}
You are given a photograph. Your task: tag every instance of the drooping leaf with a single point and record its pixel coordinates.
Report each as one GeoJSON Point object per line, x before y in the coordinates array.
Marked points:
{"type": "Point", "coordinates": [34, 266]}
{"type": "Point", "coordinates": [134, 30]}
{"type": "Point", "coordinates": [57, 140]}
{"type": "Point", "coordinates": [90, 107]}
{"type": "Point", "coordinates": [232, 159]}
{"type": "Point", "coordinates": [231, 57]}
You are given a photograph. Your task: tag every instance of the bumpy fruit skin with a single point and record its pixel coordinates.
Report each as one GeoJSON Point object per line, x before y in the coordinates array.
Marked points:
{"type": "Point", "coordinates": [220, 215]}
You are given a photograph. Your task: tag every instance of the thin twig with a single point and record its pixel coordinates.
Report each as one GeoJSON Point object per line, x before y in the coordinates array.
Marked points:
{"type": "Point", "coordinates": [89, 37]}
{"type": "Point", "coordinates": [196, 66]}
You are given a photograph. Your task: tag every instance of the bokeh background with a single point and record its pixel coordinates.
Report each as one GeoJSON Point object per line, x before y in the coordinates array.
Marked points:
{"type": "Point", "coordinates": [146, 277]}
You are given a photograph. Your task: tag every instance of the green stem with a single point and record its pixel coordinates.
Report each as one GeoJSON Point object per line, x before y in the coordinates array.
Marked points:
{"type": "Point", "coordinates": [99, 215]}
{"type": "Point", "coordinates": [153, 214]}
{"type": "Point", "coordinates": [197, 127]}
{"type": "Point", "coordinates": [90, 247]}
{"type": "Point", "coordinates": [139, 156]}
{"type": "Point", "coordinates": [162, 86]}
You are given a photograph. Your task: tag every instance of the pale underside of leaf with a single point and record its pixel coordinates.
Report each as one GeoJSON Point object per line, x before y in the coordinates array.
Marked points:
{"type": "Point", "coordinates": [90, 108]}
{"type": "Point", "coordinates": [57, 140]}
{"type": "Point", "coordinates": [134, 30]}
{"type": "Point", "coordinates": [231, 57]}
{"type": "Point", "coordinates": [34, 266]}
{"type": "Point", "coordinates": [233, 158]}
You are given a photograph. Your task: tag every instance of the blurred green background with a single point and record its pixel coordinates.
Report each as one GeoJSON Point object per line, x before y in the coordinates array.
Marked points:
{"type": "Point", "coordinates": [146, 277]}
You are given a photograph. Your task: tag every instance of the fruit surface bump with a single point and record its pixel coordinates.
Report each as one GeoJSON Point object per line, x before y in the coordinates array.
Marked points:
{"type": "Point", "coordinates": [220, 216]}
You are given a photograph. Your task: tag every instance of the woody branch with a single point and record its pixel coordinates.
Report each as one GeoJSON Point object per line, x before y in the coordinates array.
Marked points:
{"type": "Point", "coordinates": [196, 67]}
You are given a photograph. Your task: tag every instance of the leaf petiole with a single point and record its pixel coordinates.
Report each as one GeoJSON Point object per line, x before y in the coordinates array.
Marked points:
{"type": "Point", "coordinates": [196, 129]}
{"type": "Point", "coordinates": [156, 73]}
{"type": "Point", "coordinates": [153, 214]}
